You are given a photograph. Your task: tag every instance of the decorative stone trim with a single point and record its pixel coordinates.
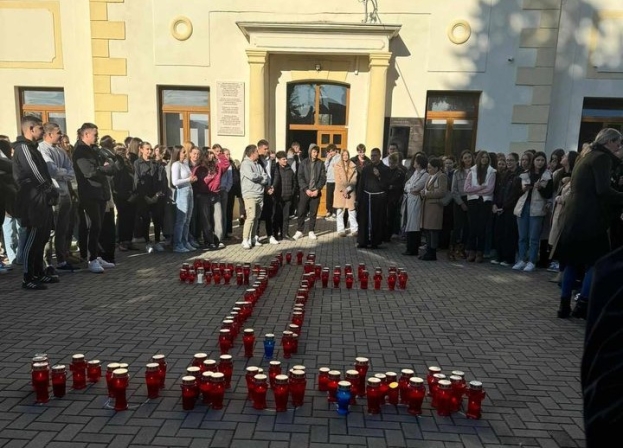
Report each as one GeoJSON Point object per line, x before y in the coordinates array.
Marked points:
{"type": "Point", "coordinates": [459, 32]}
{"type": "Point", "coordinates": [185, 33]}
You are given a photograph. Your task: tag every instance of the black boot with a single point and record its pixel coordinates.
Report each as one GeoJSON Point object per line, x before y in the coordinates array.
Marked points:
{"type": "Point", "coordinates": [564, 309]}
{"type": "Point", "coordinates": [581, 308]}
{"type": "Point", "coordinates": [430, 255]}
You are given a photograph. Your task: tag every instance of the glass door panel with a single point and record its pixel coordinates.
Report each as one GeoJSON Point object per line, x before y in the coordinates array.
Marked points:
{"type": "Point", "coordinates": [173, 128]}
{"type": "Point", "coordinates": [199, 129]}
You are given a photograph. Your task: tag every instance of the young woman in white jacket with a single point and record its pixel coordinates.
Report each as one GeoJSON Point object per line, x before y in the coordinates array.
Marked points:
{"type": "Point", "coordinates": [479, 186]}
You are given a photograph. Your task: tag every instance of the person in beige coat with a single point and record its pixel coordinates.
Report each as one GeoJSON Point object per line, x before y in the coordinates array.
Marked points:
{"type": "Point", "coordinates": [345, 195]}
{"type": "Point", "coordinates": [432, 208]}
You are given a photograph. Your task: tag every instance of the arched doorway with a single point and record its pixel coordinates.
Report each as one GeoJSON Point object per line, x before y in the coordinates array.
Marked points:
{"type": "Point", "coordinates": [317, 113]}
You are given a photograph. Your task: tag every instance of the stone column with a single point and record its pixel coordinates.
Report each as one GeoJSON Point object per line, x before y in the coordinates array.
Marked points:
{"type": "Point", "coordinates": [257, 97]}
{"type": "Point", "coordinates": [376, 99]}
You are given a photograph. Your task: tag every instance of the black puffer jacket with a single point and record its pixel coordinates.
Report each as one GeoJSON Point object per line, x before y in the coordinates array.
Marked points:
{"type": "Point", "coordinates": [284, 183]}
{"type": "Point", "coordinates": [91, 173]}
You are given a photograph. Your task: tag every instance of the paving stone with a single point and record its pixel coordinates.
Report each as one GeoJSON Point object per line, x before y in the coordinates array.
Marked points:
{"type": "Point", "coordinates": [490, 322]}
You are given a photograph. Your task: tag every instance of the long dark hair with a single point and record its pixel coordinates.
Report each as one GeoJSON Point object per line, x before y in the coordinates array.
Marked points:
{"type": "Point", "coordinates": [481, 171]}
{"type": "Point", "coordinates": [175, 156]}
{"type": "Point", "coordinates": [533, 168]}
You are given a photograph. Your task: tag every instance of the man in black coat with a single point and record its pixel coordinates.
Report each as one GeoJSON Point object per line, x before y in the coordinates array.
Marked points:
{"type": "Point", "coordinates": [284, 185]}
{"type": "Point", "coordinates": [372, 187]}
{"type": "Point", "coordinates": [311, 179]}
{"type": "Point", "coordinates": [33, 205]}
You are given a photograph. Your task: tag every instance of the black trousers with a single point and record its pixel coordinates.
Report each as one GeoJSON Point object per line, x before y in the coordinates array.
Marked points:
{"type": "Point", "coordinates": [372, 218]}
{"type": "Point", "coordinates": [229, 213]}
{"type": "Point", "coordinates": [108, 237]}
{"type": "Point", "coordinates": [479, 213]}
{"type": "Point", "coordinates": [126, 215]}
{"type": "Point", "coordinates": [505, 236]}
{"type": "Point", "coordinates": [91, 220]}
{"type": "Point", "coordinates": [461, 224]}
{"type": "Point", "coordinates": [146, 214]}
{"type": "Point", "coordinates": [305, 203]}
{"type": "Point", "coordinates": [282, 217]}
{"type": "Point", "coordinates": [330, 192]}
{"type": "Point", "coordinates": [36, 239]}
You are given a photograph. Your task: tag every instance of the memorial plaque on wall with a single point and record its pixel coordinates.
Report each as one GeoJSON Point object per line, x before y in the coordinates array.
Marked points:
{"type": "Point", "coordinates": [230, 105]}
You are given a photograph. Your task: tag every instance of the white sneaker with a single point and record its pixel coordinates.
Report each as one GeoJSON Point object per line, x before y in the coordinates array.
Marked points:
{"type": "Point", "coordinates": [246, 244]}
{"type": "Point", "coordinates": [96, 267]}
{"type": "Point", "coordinates": [312, 236]}
{"type": "Point", "coordinates": [105, 264]}
{"type": "Point", "coordinates": [297, 235]}
{"type": "Point", "coordinates": [221, 245]}
{"type": "Point", "coordinates": [159, 247]}
{"type": "Point", "coordinates": [273, 240]}
{"type": "Point", "coordinates": [149, 248]}
{"type": "Point", "coordinates": [256, 241]}
{"type": "Point", "coordinates": [529, 267]}
{"type": "Point", "coordinates": [519, 266]}
{"type": "Point", "coordinates": [189, 247]}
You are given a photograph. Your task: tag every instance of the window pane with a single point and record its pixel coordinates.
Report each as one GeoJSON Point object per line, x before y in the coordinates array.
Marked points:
{"type": "Point", "coordinates": [34, 113]}
{"type": "Point", "coordinates": [462, 136]}
{"type": "Point", "coordinates": [59, 119]}
{"type": "Point", "coordinates": [324, 139]}
{"type": "Point", "coordinates": [333, 104]}
{"type": "Point", "coordinates": [199, 132]}
{"type": "Point", "coordinates": [196, 98]}
{"type": "Point", "coordinates": [337, 139]}
{"type": "Point", "coordinates": [435, 137]}
{"type": "Point", "coordinates": [43, 97]}
{"type": "Point", "coordinates": [301, 103]}
{"type": "Point", "coordinates": [452, 102]}
{"type": "Point", "coordinates": [173, 129]}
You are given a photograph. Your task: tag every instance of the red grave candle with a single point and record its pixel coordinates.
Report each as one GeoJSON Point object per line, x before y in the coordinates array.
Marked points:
{"type": "Point", "coordinates": [152, 379]}
{"type": "Point", "coordinates": [281, 391]}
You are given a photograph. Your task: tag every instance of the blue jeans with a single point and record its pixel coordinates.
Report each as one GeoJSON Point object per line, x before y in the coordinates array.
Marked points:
{"type": "Point", "coordinates": [568, 279]}
{"type": "Point", "coordinates": [183, 214]}
{"type": "Point", "coordinates": [14, 238]}
{"type": "Point", "coordinates": [529, 228]}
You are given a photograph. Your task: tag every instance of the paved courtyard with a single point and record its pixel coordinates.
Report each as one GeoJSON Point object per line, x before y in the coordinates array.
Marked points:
{"type": "Point", "coordinates": [496, 325]}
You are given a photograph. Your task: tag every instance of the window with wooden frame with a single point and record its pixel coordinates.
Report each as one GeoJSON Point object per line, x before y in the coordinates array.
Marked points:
{"type": "Point", "coordinates": [451, 122]}
{"type": "Point", "coordinates": [45, 103]}
{"type": "Point", "coordinates": [597, 114]}
{"type": "Point", "coordinates": [184, 115]}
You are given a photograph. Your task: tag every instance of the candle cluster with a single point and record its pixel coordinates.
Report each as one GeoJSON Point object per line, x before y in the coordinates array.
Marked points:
{"type": "Point", "coordinates": [207, 378]}
{"type": "Point", "coordinates": [446, 395]}
{"type": "Point", "coordinates": [396, 277]}
{"type": "Point", "coordinates": [206, 272]}
{"type": "Point", "coordinates": [284, 387]}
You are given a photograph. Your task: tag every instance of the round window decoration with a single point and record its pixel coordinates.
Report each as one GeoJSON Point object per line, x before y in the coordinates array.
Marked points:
{"type": "Point", "coordinates": [459, 32]}
{"type": "Point", "coordinates": [181, 28]}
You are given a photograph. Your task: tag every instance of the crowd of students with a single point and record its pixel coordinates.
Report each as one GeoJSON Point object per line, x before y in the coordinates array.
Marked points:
{"type": "Point", "coordinates": [521, 211]}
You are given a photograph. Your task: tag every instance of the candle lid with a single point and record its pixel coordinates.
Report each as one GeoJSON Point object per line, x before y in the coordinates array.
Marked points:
{"type": "Point", "coordinates": [249, 330]}
{"type": "Point", "coordinates": [193, 369]}
{"type": "Point", "coordinates": [299, 367]}
{"type": "Point", "coordinates": [444, 384]}
{"type": "Point", "coordinates": [351, 373]}
{"type": "Point", "coordinates": [380, 376]}
{"type": "Point", "coordinates": [434, 369]}
{"type": "Point", "coordinates": [324, 370]}
{"type": "Point", "coordinates": [299, 374]}
{"type": "Point", "coordinates": [152, 366]}
{"type": "Point", "coordinates": [218, 376]}
{"type": "Point", "coordinates": [393, 385]}
{"type": "Point", "coordinates": [335, 373]}
{"type": "Point", "coordinates": [78, 357]}
{"type": "Point", "coordinates": [120, 373]}
{"type": "Point", "coordinates": [252, 369]}
{"type": "Point", "coordinates": [407, 372]}
{"type": "Point", "coordinates": [296, 312]}
{"type": "Point", "coordinates": [94, 362]}
{"type": "Point", "coordinates": [374, 381]}
{"type": "Point", "coordinates": [475, 385]}
{"type": "Point", "coordinates": [362, 360]}
{"type": "Point", "coordinates": [59, 368]}
{"type": "Point", "coordinates": [40, 358]}
{"type": "Point", "coordinates": [189, 380]}
{"type": "Point", "coordinates": [391, 374]}
{"type": "Point", "coordinates": [344, 385]}
{"type": "Point", "coordinates": [228, 321]}
{"type": "Point", "coordinates": [269, 336]}
{"type": "Point", "coordinates": [260, 370]}
{"type": "Point", "coordinates": [112, 366]}
{"type": "Point", "coordinates": [40, 366]}
{"type": "Point", "coordinates": [281, 379]}
{"type": "Point", "coordinates": [159, 357]}
{"type": "Point", "coordinates": [224, 331]}
{"type": "Point", "coordinates": [287, 333]}
{"type": "Point", "coordinates": [235, 309]}
{"type": "Point", "coordinates": [458, 373]}
{"type": "Point", "coordinates": [123, 365]}
{"type": "Point", "coordinates": [416, 381]}
{"type": "Point", "coordinates": [206, 375]}
{"type": "Point", "coordinates": [274, 363]}
{"type": "Point", "coordinates": [209, 362]}
{"type": "Point", "coordinates": [260, 377]}
{"type": "Point", "coordinates": [456, 378]}
{"type": "Point", "coordinates": [439, 376]}
{"type": "Point", "coordinates": [200, 355]}
{"type": "Point", "coordinates": [225, 357]}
